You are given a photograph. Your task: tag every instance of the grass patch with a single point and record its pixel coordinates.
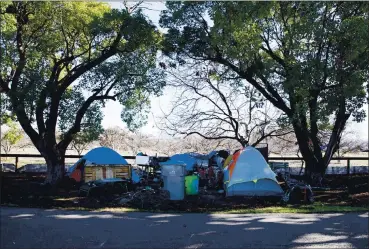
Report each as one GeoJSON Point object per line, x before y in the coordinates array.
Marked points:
{"type": "Point", "coordinates": [314, 208]}
{"type": "Point", "coordinates": [303, 209]}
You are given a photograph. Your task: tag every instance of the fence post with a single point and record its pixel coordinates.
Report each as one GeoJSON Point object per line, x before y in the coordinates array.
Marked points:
{"type": "Point", "coordinates": [16, 163]}
{"type": "Point", "coordinates": [348, 166]}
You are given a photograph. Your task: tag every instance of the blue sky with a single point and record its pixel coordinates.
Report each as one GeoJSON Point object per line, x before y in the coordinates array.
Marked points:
{"type": "Point", "coordinates": [113, 109]}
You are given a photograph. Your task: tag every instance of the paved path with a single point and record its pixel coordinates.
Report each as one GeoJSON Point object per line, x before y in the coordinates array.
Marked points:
{"type": "Point", "coordinates": [35, 228]}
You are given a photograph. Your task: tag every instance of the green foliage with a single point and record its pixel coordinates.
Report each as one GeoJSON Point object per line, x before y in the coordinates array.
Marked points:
{"type": "Point", "coordinates": [309, 59]}
{"type": "Point", "coordinates": [295, 47]}
{"type": "Point", "coordinates": [5, 115]}
{"type": "Point", "coordinates": [134, 78]}
{"type": "Point", "coordinates": [11, 137]}
{"type": "Point", "coordinates": [91, 127]}
{"type": "Point", "coordinates": [76, 55]}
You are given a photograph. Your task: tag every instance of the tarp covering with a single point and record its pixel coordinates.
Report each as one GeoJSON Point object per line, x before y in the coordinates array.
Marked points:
{"type": "Point", "coordinates": [103, 156]}
{"type": "Point", "coordinates": [249, 174]}
{"type": "Point", "coordinates": [185, 159]}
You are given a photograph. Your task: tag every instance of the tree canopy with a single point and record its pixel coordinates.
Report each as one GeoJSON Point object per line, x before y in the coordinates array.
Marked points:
{"type": "Point", "coordinates": [61, 61]}
{"type": "Point", "coordinates": [309, 59]}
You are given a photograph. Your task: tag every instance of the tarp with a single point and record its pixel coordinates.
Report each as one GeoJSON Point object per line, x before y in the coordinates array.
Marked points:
{"type": "Point", "coordinates": [185, 159]}
{"type": "Point", "coordinates": [252, 175]}
{"type": "Point", "coordinates": [103, 156]}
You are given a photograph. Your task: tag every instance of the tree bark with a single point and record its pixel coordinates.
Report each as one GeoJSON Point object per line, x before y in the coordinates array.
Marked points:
{"type": "Point", "coordinates": [55, 162]}
{"type": "Point", "coordinates": [313, 166]}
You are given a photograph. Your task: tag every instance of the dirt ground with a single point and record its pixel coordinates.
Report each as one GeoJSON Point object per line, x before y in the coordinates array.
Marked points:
{"type": "Point", "coordinates": [352, 191]}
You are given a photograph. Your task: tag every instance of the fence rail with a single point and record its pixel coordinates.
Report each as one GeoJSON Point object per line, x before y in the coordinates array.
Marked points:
{"type": "Point", "coordinates": [347, 159]}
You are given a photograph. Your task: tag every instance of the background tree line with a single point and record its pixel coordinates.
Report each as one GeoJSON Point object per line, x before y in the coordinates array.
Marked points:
{"type": "Point", "coordinates": [14, 140]}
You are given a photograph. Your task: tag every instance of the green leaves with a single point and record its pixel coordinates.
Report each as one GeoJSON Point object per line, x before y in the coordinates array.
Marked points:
{"type": "Point", "coordinates": [11, 137]}
{"type": "Point", "coordinates": [309, 59]}
{"type": "Point", "coordinates": [72, 57]}
{"type": "Point", "coordinates": [296, 45]}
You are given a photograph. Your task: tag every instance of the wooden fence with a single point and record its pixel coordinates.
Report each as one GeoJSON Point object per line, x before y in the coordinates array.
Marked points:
{"type": "Point", "coordinates": [347, 159]}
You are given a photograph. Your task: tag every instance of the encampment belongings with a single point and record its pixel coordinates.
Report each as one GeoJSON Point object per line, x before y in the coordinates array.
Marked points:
{"type": "Point", "coordinates": [300, 193]}
{"type": "Point", "coordinates": [215, 160]}
{"type": "Point", "coordinates": [229, 159]}
{"type": "Point", "coordinates": [101, 163]}
{"type": "Point", "coordinates": [145, 198]}
{"type": "Point", "coordinates": [192, 185]}
{"type": "Point", "coordinates": [97, 172]}
{"type": "Point", "coordinates": [142, 160]}
{"type": "Point", "coordinates": [220, 178]}
{"type": "Point", "coordinates": [174, 182]}
{"type": "Point", "coordinates": [223, 154]}
{"type": "Point", "coordinates": [104, 187]}
{"type": "Point", "coordinates": [281, 167]}
{"type": "Point", "coordinates": [249, 175]}
{"type": "Point", "coordinates": [187, 159]}
{"type": "Point", "coordinates": [282, 182]}
{"type": "Point", "coordinates": [150, 167]}
{"type": "Point", "coordinates": [212, 177]}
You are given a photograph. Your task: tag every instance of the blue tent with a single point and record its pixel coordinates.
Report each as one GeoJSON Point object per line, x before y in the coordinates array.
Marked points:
{"type": "Point", "coordinates": [185, 159]}
{"type": "Point", "coordinates": [103, 156]}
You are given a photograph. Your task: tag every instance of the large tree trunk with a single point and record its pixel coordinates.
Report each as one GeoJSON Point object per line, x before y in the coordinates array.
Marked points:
{"type": "Point", "coordinates": [55, 161]}
{"type": "Point", "coordinates": [55, 170]}
{"type": "Point", "coordinates": [314, 163]}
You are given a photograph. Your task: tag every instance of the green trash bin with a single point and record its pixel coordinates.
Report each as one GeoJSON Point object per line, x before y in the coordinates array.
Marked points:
{"type": "Point", "coordinates": [192, 185]}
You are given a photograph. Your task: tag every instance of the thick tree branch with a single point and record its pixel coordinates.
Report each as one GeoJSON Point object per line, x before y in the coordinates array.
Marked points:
{"type": "Point", "coordinates": [21, 48]}
{"type": "Point", "coordinates": [276, 101]}
{"type": "Point", "coordinates": [275, 57]}
{"type": "Point", "coordinates": [79, 116]}
{"type": "Point", "coordinates": [4, 88]}
{"type": "Point", "coordinates": [270, 134]}
{"type": "Point", "coordinates": [234, 122]}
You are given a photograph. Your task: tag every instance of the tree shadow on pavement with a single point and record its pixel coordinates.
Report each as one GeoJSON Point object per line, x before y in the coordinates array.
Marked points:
{"type": "Point", "coordinates": [37, 228]}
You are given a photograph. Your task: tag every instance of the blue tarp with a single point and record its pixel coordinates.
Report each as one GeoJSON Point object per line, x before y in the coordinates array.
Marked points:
{"type": "Point", "coordinates": [101, 155]}
{"type": "Point", "coordinates": [185, 159]}
{"type": "Point", "coordinates": [191, 159]}
{"type": "Point", "coordinates": [104, 156]}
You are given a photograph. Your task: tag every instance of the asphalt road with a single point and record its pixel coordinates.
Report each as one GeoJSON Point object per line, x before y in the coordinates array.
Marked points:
{"type": "Point", "coordinates": [36, 228]}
